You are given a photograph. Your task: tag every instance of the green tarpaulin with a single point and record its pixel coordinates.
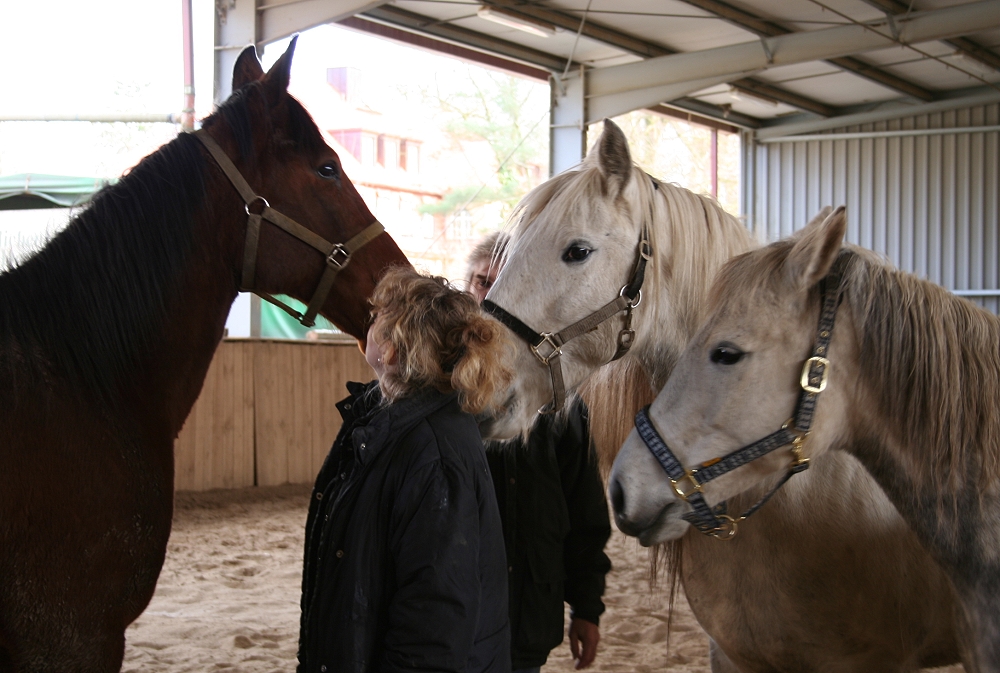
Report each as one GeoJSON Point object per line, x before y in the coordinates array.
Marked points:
{"type": "Point", "coordinates": [34, 190]}
{"type": "Point", "coordinates": [276, 324]}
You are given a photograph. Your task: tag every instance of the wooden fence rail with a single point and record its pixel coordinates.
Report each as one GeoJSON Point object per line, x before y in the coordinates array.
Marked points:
{"type": "Point", "coordinates": [266, 413]}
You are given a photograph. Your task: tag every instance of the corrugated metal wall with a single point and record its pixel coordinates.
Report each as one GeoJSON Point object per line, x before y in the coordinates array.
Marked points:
{"type": "Point", "coordinates": [929, 203]}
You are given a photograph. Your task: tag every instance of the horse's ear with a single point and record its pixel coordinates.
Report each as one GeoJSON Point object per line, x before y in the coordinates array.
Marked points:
{"type": "Point", "coordinates": [816, 248]}
{"type": "Point", "coordinates": [611, 155]}
{"type": "Point", "coordinates": [277, 78]}
{"type": "Point", "coordinates": [247, 68]}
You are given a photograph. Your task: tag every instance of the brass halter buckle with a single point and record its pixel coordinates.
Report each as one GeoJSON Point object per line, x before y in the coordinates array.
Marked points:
{"type": "Point", "coordinates": [686, 486]}
{"type": "Point", "coordinates": [807, 381]}
{"type": "Point", "coordinates": [546, 339]}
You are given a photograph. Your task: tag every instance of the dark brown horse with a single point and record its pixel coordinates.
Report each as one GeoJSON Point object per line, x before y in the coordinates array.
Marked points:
{"type": "Point", "coordinates": [105, 339]}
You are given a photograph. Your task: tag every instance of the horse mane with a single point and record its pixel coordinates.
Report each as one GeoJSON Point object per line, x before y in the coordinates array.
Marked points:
{"type": "Point", "coordinates": [612, 415]}
{"type": "Point", "coordinates": [930, 359]}
{"type": "Point", "coordinates": [95, 297]}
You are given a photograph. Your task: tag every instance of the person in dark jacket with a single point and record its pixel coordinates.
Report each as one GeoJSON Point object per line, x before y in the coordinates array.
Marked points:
{"type": "Point", "coordinates": [555, 518]}
{"type": "Point", "coordinates": [404, 563]}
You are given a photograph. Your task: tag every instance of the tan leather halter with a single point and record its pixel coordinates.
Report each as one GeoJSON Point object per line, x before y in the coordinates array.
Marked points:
{"type": "Point", "coordinates": [337, 255]}
{"type": "Point", "coordinates": [547, 346]}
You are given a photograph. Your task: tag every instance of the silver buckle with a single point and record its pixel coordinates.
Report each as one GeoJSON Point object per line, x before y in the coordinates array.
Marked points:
{"type": "Point", "coordinates": [333, 260]}
{"type": "Point", "coordinates": [546, 339]}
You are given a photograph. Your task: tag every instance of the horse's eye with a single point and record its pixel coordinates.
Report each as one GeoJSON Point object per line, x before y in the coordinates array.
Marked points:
{"type": "Point", "coordinates": [726, 355]}
{"type": "Point", "coordinates": [576, 253]}
{"type": "Point", "coordinates": [330, 170]}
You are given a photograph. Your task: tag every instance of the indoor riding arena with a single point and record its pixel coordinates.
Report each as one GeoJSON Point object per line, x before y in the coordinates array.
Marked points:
{"type": "Point", "coordinates": [777, 109]}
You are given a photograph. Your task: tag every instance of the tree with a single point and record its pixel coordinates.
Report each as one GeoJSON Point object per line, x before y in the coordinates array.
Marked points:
{"type": "Point", "coordinates": [506, 113]}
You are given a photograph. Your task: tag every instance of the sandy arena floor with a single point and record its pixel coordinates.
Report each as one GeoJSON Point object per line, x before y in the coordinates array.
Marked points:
{"type": "Point", "coordinates": [227, 599]}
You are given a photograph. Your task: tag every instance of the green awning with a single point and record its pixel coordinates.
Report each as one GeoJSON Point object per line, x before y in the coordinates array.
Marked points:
{"type": "Point", "coordinates": [34, 190]}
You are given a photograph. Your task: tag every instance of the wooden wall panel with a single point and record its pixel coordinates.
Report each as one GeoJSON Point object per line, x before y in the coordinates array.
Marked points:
{"type": "Point", "coordinates": [215, 448]}
{"type": "Point", "coordinates": [297, 386]}
{"type": "Point", "coordinates": [266, 413]}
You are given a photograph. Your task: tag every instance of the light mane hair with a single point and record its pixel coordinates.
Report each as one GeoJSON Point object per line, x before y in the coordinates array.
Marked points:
{"type": "Point", "coordinates": [931, 359]}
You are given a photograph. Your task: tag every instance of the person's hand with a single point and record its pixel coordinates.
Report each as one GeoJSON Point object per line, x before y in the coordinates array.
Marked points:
{"type": "Point", "coordinates": [583, 637]}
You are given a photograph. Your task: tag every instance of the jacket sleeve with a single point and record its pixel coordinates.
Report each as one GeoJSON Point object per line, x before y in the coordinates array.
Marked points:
{"type": "Point", "coordinates": [434, 544]}
{"type": "Point", "coordinates": [585, 562]}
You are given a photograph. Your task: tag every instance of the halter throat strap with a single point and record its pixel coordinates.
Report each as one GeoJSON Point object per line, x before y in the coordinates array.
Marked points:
{"type": "Point", "coordinates": [337, 255]}
{"type": "Point", "coordinates": [688, 484]}
{"type": "Point", "coordinates": [547, 346]}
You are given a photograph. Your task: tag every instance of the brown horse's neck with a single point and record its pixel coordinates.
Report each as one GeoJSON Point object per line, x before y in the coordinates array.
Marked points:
{"type": "Point", "coordinates": [173, 370]}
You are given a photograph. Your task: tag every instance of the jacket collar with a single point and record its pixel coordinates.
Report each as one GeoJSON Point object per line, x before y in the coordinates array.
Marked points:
{"type": "Point", "coordinates": [385, 425]}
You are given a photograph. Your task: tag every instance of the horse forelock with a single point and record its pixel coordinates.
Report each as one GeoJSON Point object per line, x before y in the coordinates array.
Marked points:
{"type": "Point", "coordinates": [757, 275]}
{"type": "Point", "coordinates": [932, 360]}
{"type": "Point", "coordinates": [248, 113]}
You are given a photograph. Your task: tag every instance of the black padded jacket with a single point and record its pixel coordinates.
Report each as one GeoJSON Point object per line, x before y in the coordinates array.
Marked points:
{"type": "Point", "coordinates": [555, 522]}
{"type": "Point", "coordinates": [404, 561]}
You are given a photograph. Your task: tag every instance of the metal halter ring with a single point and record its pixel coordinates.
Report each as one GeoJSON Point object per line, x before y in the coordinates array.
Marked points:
{"type": "Point", "coordinates": [634, 302]}
{"type": "Point", "coordinates": [727, 531]}
{"type": "Point", "coordinates": [267, 205]}
{"type": "Point", "coordinates": [338, 249]}
{"type": "Point", "coordinates": [556, 350]}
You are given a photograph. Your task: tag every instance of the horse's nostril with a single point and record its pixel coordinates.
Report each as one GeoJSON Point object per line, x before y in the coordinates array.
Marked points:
{"type": "Point", "coordinates": [617, 496]}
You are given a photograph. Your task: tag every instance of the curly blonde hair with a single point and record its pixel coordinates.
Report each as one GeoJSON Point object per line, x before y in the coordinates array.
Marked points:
{"type": "Point", "coordinates": [439, 337]}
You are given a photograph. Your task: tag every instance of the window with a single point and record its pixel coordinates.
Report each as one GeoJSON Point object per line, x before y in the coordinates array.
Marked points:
{"type": "Point", "coordinates": [391, 153]}
{"type": "Point", "coordinates": [367, 150]}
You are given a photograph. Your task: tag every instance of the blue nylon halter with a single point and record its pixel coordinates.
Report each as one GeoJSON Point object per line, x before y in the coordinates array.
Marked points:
{"type": "Point", "coordinates": [687, 483]}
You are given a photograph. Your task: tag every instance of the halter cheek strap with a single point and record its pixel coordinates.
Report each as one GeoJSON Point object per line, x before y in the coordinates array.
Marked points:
{"type": "Point", "coordinates": [547, 346]}
{"type": "Point", "coordinates": [687, 484]}
{"type": "Point", "coordinates": [337, 255]}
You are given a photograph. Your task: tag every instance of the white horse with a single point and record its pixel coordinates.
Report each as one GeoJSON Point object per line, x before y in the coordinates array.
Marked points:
{"type": "Point", "coordinates": [826, 576]}
{"type": "Point", "coordinates": [897, 371]}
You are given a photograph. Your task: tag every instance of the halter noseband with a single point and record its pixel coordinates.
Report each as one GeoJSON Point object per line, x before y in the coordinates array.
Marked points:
{"type": "Point", "coordinates": [337, 255]}
{"type": "Point", "coordinates": [687, 483]}
{"type": "Point", "coordinates": [547, 346]}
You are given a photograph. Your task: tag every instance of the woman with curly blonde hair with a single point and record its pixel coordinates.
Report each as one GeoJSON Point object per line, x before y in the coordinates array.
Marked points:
{"type": "Point", "coordinates": [404, 561]}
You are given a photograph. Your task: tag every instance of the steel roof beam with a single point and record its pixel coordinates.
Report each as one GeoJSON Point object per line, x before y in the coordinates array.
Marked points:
{"type": "Point", "coordinates": [802, 47]}
{"type": "Point", "coordinates": [469, 38]}
{"type": "Point", "coordinates": [987, 97]}
{"type": "Point", "coordinates": [420, 40]}
{"type": "Point", "coordinates": [762, 89]}
{"type": "Point", "coordinates": [700, 107]}
{"type": "Point", "coordinates": [964, 45]}
{"type": "Point", "coordinates": [765, 28]}
{"type": "Point", "coordinates": [279, 19]}
{"type": "Point", "coordinates": [646, 49]}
